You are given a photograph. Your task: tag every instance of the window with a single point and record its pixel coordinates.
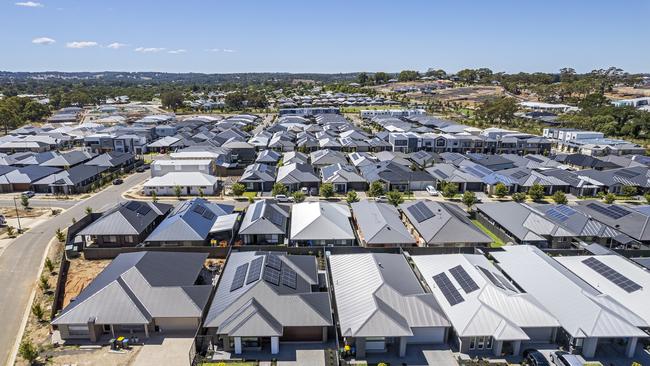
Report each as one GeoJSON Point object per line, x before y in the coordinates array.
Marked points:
{"type": "Point", "coordinates": [488, 342]}
{"type": "Point", "coordinates": [112, 238]}
{"type": "Point", "coordinates": [472, 343]}
{"type": "Point", "coordinates": [480, 342]}
{"type": "Point", "coordinates": [106, 328]}
{"type": "Point", "coordinates": [78, 330]}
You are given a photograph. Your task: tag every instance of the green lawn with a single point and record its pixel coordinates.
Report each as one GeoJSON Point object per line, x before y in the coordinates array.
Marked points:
{"type": "Point", "coordinates": [496, 242]}
{"type": "Point", "coordinates": [250, 194]}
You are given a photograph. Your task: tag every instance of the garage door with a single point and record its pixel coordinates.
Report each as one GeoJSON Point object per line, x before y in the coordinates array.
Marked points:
{"type": "Point", "coordinates": [177, 325]}
{"type": "Point", "coordinates": [427, 335]}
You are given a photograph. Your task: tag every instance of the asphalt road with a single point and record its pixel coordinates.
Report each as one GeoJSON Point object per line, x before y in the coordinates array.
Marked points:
{"type": "Point", "coordinates": [34, 202]}
{"type": "Point", "coordinates": [21, 261]}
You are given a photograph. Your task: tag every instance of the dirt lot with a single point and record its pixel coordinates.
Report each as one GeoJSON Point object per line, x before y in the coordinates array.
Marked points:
{"type": "Point", "coordinates": [467, 95]}
{"type": "Point", "coordinates": [80, 274]}
{"type": "Point", "coordinates": [31, 212]}
{"type": "Point", "coordinates": [626, 92]}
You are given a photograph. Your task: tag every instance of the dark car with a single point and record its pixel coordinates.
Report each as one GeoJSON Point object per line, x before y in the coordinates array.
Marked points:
{"type": "Point", "coordinates": [535, 358]}
{"type": "Point", "coordinates": [140, 169]}
{"type": "Point", "coordinates": [118, 181]}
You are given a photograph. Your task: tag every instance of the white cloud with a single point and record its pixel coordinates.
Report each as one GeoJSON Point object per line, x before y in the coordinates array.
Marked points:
{"type": "Point", "coordinates": [43, 40]}
{"type": "Point", "coordinates": [30, 4]}
{"type": "Point", "coordinates": [219, 50]}
{"type": "Point", "coordinates": [228, 50]}
{"type": "Point", "coordinates": [178, 51]}
{"type": "Point", "coordinates": [150, 49]}
{"type": "Point", "coordinates": [116, 45]}
{"type": "Point", "coordinates": [81, 44]}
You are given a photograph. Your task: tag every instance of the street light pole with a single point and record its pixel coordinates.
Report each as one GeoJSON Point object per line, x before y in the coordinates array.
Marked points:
{"type": "Point", "coordinates": [20, 229]}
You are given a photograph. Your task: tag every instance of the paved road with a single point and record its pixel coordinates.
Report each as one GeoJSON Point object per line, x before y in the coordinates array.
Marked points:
{"type": "Point", "coordinates": [20, 262]}
{"type": "Point", "coordinates": [41, 203]}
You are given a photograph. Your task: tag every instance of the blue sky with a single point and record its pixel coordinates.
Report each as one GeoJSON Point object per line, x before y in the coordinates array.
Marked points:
{"type": "Point", "coordinates": [323, 36]}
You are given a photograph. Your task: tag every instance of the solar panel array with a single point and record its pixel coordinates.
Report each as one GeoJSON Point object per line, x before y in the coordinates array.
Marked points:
{"type": "Point", "coordinates": [519, 174]}
{"type": "Point", "coordinates": [463, 279]}
{"type": "Point", "coordinates": [257, 211]}
{"type": "Point", "coordinates": [612, 275]}
{"type": "Point", "coordinates": [440, 173]}
{"type": "Point", "coordinates": [240, 276]}
{"type": "Point", "coordinates": [271, 275]}
{"type": "Point", "coordinates": [420, 212]}
{"type": "Point", "coordinates": [144, 209]}
{"type": "Point", "coordinates": [560, 213]}
{"type": "Point", "coordinates": [199, 209]}
{"type": "Point", "coordinates": [506, 283]}
{"type": "Point", "coordinates": [447, 288]}
{"type": "Point", "coordinates": [208, 214]}
{"type": "Point", "coordinates": [133, 205]}
{"type": "Point", "coordinates": [289, 277]}
{"type": "Point", "coordinates": [255, 270]}
{"type": "Point", "coordinates": [276, 218]}
{"type": "Point", "coordinates": [614, 212]}
{"type": "Point", "coordinates": [273, 261]}
{"type": "Point", "coordinates": [627, 173]}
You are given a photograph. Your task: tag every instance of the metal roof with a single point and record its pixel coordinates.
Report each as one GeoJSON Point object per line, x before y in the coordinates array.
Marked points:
{"type": "Point", "coordinates": [191, 220]}
{"type": "Point", "coordinates": [321, 221]}
{"type": "Point", "coordinates": [265, 217]}
{"type": "Point", "coordinates": [127, 218]}
{"type": "Point", "coordinates": [378, 295]}
{"type": "Point", "coordinates": [380, 223]}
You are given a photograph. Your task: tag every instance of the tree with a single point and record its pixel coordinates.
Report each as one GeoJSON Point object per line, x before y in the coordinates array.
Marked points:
{"type": "Point", "coordinates": [298, 197]}
{"type": "Point", "coordinates": [536, 192]}
{"type": "Point", "coordinates": [376, 189]}
{"type": "Point", "coordinates": [154, 197]}
{"type": "Point", "coordinates": [24, 201]}
{"type": "Point", "coordinates": [327, 190]}
{"type": "Point", "coordinates": [177, 192]}
{"type": "Point", "coordinates": [469, 199]}
{"type": "Point", "coordinates": [395, 197]}
{"type": "Point", "coordinates": [647, 198]}
{"type": "Point", "coordinates": [60, 236]}
{"type": "Point", "coordinates": [238, 189]}
{"type": "Point", "coordinates": [172, 100]}
{"type": "Point", "coordinates": [609, 198]}
{"type": "Point", "coordinates": [89, 210]}
{"type": "Point", "coordinates": [381, 78]}
{"type": "Point", "coordinates": [560, 198]}
{"type": "Point", "coordinates": [408, 75]}
{"type": "Point", "coordinates": [44, 283]}
{"type": "Point", "coordinates": [500, 190]}
{"type": "Point", "coordinates": [28, 351]}
{"type": "Point", "coordinates": [629, 191]}
{"type": "Point", "coordinates": [235, 101]}
{"type": "Point", "coordinates": [200, 192]}
{"type": "Point", "coordinates": [38, 311]}
{"type": "Point", "coordinates": [49, 265]}
{"type": "Point", "coordinates": [363, 78]}
{"type": "Point", "coordinates": [519, 197]}
{"type": "Point", "coordinates": [279, 188]}
{"type": "Point", "coordinates": [352, 197]}
{"type": "Point", "coordinates": [467, 75]}
{"type": "Point", "coordinates": [449, 190]}
{"type": "Point", "coordinates": [497, 110]}
{"type": "Point", "coordinates": [11, 231]}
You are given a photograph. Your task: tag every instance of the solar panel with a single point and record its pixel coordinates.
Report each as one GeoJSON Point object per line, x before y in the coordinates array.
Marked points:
{"type": "Point", "coordinates": [440, 173]}
{"type": "Point", "coordinates": [289, 278]}
{"type": "Point", "coordinates": [519, 174]}
{"type": "Point", "coordinates": [257, 211]}
{"type": "Point", "coordinates": [274, 262]}
{"type": "Point", "coordinates": [420, 212]}
{"type": "Point", "coordinates": [133, 205]}
{"type": "Point", "coordinates": [240, 276]}
{"type": "Point", "coordinates": [533, 158]}
{"type": "Point", "coordinates": [276, 218]}
{"type": "Point", "coordinates": [144, 209]}
{"type": "Point", "coordinates": [199, 209]}
{"type": "Point", "coordinates": [566, 210]}
{"type": "Point", "coordinates": [613, 212]}
{"type": "Point", "coordinates": [208, 214]}
{"type": "Point", "coordinates": [463, 279]}
{"type": "Point", "coordinates": [254, 270]}
{"type": "Point", "coordinates": [612, 275]}
{"type": "Point", "coordinates": [271, 275]}
{"type": "Point", "coordinates": [490, 276]}
{"type": "Point", "coordinates": [447, 288]}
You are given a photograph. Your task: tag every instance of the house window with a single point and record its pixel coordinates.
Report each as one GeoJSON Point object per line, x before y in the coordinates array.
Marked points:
{"type": "Point", "coordinates": [106, 328]}
{"type": "Point", "coordinates": [472, 343]}
{"type": "Point", "coordinates": [488, 342]}
{"type": "Point", "coordinates": [480, 343]}
{"type": "Point", "coordinates": [112, 238]}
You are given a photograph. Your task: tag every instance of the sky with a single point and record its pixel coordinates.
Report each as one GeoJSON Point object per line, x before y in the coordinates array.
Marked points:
{"type": "Point", "coordinates": [323, 36]}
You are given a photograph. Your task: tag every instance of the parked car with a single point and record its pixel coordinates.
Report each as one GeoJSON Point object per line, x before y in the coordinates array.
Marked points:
{"type": "Point", "coordinates": [28, 194]}
{"type": "Point", "coordinates": [118, 181]}
{"type": "Point", "coordinates": [140, 169]}
{"type": "Point", "coordinates": [535, 358]}
{"type": "Point", "coordinates": [381, 199]}
{"type": "Point", "coordinates": [3, 221]}
{"type": "Point", "coordinates": [304, 190]}
{"type": "Point", "coordinates": [147, 166]}
{"type": "Point", "coordinates": [283, 198]}
{"type": "Point", "coordinates": [432, 191]}
{"type": "Point", "coordinates": [561, 358]}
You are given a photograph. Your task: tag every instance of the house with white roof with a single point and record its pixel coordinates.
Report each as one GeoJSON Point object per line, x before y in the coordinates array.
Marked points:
{"type": "Point", "coordinates": [321, 223]}
{"type": "Point", "coordinates": [190, 183]}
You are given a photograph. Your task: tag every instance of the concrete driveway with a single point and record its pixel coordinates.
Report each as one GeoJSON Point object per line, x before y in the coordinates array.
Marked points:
{"type": "Point", "coordinates": [158, 350]}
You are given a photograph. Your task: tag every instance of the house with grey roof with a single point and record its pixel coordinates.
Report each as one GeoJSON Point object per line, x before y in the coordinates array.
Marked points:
{"type": "Point", "coordinates": [326, 157]}
{"type": "Point", "coordinates": [266, 222]}
{"type": "Point", "coordinates": [615, 179]}
{"type": "Point", "coordinates": [270, 157]}
{"type": "Point", "coordinates": [126, 224]}
{"type": "Point", "coordinates": [68, 159]}
{"type": "Point", "coordinates": [396, 177]}
{"type": "Point", "coordinates": [258, 177]}
{"type": "Point", "coordinates": [196, 222]}
{"type": "Point", "coordinates": [297, 175]}
{"type": "Point", "coordinates": [379, 225]}
{"type": "Point", "coordinates": [23, 178]}
{"type": "Point", "coordinates": [444, 224]}
{"type": "Point", "coordinates": [381, 305]}
{"type": "Point", "coordinates": [264, 299]}
{"type": "Point", "coordinates": [113, 160]}
{"type": "Point", "coordinates": [489, 314]}
{"type": "Point", "coordinates": [344, 178]}
{"type": "Point", "coordinates": [290, 157]}
{"type": "Point", "coordinates": [634, 223]}
{"type": "Point", "coordinates": [78, 179]}
{"type": "Point", "coordinates": [450, 174]}
{"type": "Point", "coordinates": [138, 294]}
{"type": "Point", "coordinates": [593, 318]}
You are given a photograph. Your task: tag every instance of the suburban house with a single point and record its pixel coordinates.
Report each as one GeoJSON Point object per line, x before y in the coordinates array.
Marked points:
{"type": "Point", "coordinates": [379, 225]}
{"type": "Point", "coordinates": [615, 179]}
{"type": "Point", "coordinates": [162, 167]}
{"type": "Point", "coordinates": [263, 299]}
{"type": "Point", "coordinates": [294, 157]}
{"type": "Point", "coordinates": [23, 178]}
{"type": "Point", "coordinates": [441, 224]}
{"type": "Point", "coordinates": [258, 177]}
{"type": "Point", "coordinates": [113, 160]}
{"type": "Point", "coordinates": [489, 314]}
{"type": "Point", "coordinates": [126, 224]}
{"type": "Point", "coordinates": [265, 223]}
{"type": "Point", "coordinates": [321, 223]}
{"type": "Point", "coordinates": [450, 174]}
{"type": "Point", "coordinates": [396, 177]}
{"type": "Point", "coordinates": [297, 175]}
{"type": "Point", "coordinates": [270, 157]}
{"type": "Point", "coordinates": [326, 157]}
{"type": "Point", "coordinates": [381, 306]}
{"type": "Point", "coordinates": [139, 294]}
{"type": "Point", "coordinates": [78, 179]}
{"type": "Point", "coordinates": [196, 222]}
{"type": "Point", "coordinates": [631, 222]}
{"type": "Point", "coordinates": [190, 184]}
{"type": "Point", "coordinates": [68, 159]}
{"type": "Point", "coordinates": [593, 319]}
{"type": "Point", "coordinates": [343, 177]}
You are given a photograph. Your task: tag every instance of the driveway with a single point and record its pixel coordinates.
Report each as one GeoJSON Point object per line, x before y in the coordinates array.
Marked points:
{"type": "Point", "coordinates": [158, 350]}
{"type": "Point", "coordinates": [21, 261]}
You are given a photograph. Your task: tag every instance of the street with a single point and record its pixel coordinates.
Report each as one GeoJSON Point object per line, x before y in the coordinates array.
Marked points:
{"type": "Point", "coordinates": [21, 261]}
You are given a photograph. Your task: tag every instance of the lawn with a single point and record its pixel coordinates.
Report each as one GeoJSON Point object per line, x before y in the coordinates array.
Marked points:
{"type": "Point", "coordinates": [496, 242]}
{"type": "Point", "coordinates": [250, 194]}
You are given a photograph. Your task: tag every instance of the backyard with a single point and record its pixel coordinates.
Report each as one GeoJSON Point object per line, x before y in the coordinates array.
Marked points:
{"type": "Point", "coordinates": [496, 241]}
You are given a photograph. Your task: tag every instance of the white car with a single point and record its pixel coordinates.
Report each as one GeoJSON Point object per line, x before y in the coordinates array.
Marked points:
{"type": "Point", "coordinates": [283, 198]}
{"type": "Point", "coordinates": [432, 191]}
{"type": "Point", "coordinates": [381, 199]}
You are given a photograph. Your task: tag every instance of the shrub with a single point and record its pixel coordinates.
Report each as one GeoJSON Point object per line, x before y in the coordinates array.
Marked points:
{"type": "Point", "coordinates": [38, 311]}
{"type": "Point", "coordinates": [298, 196]}
{"type": "Point", "coordinates": [177, 192]}
{"type": "Point", "coordinates": [49, 265]}
{"type": "Point", "coordinates": [629, 191]}
{"type": "Point", "coordinates": [238, 189]}
{"type": "Point", "coordinates": [609, 198]}
{"type": "Point", "coordinates": [327, 190]}
{"type": "Point", "coordinates": [519, 197]}
{"type": "Point", "coordinates": [352, 197]}
{"type": "Point", "coordinates": [89, 210]}
{"type": "Point", "coordinates": [500, 190]}
{"type": "Point", "coordinates": [60, 236]}
{"type": "Point", "coordinates": [469, 199]}
{"type": "Point", "coordinates": [44, 283]}
{"type": "Point", "coordinates": [279, 188]}
{"type": "Point", "coordinates": [449, 190]}
{"type": "Point", "coordinates": [28, 351]}
{"type": "Point", "coordinates": [395, 197]}
{"type": "Point", "coordinates": [560, 198]}
{"type": "Point", "coordinates": [536, 192]}
{"type": "Point", "coordinates": [376, 189]}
